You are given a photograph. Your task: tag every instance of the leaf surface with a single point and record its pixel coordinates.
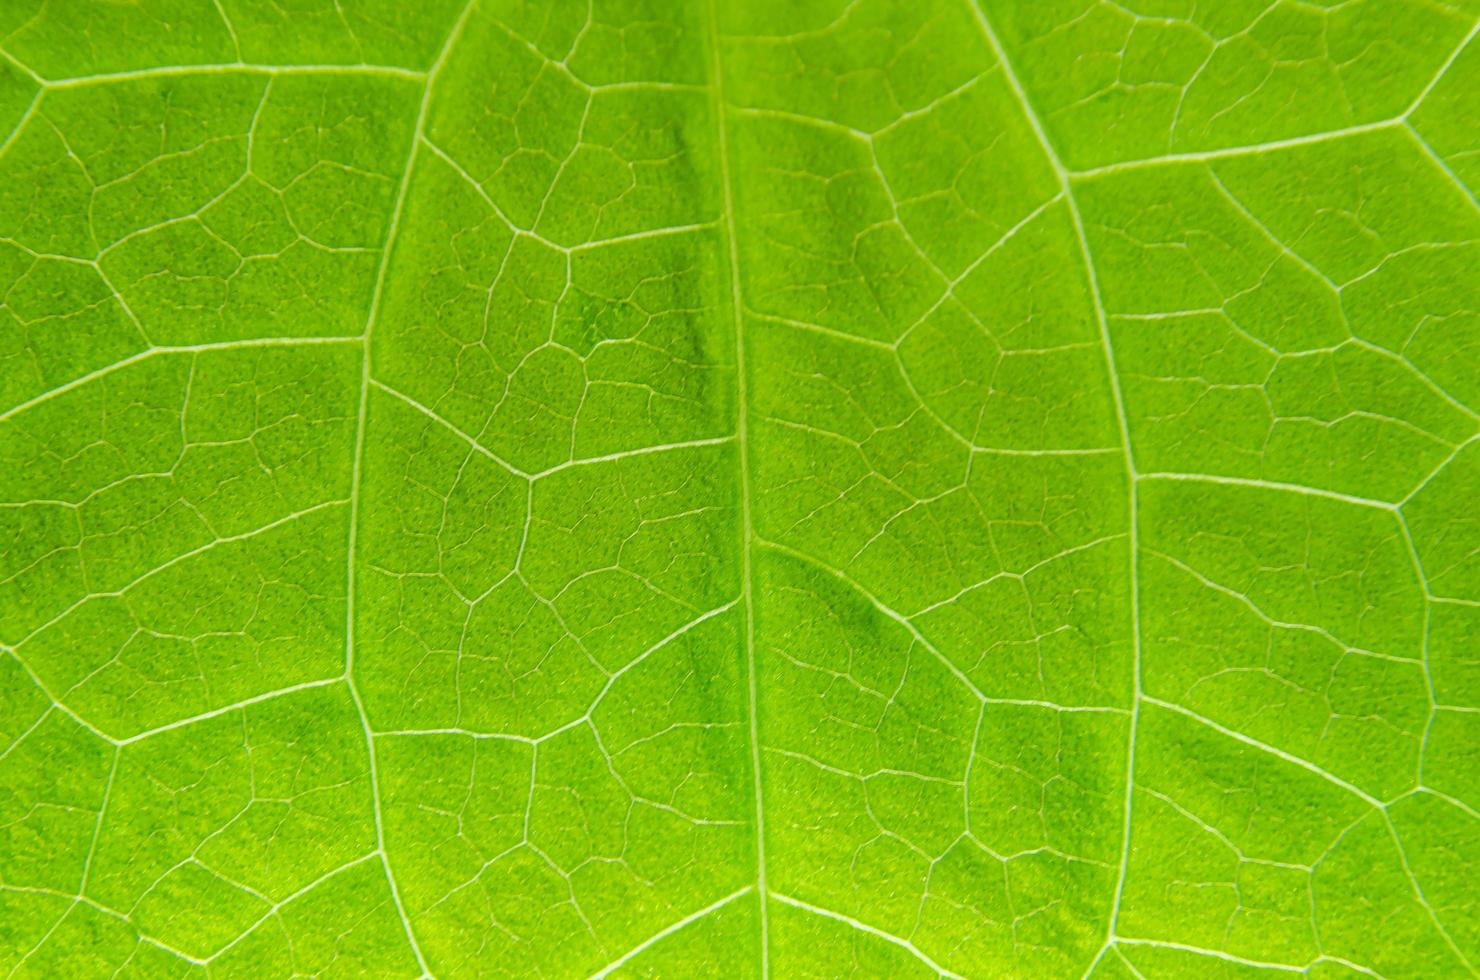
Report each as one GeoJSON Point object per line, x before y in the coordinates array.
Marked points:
{"type": "Point", "coordinates": [801, 489]}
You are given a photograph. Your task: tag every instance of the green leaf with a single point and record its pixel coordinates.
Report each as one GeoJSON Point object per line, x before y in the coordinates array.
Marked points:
{"type": "Point", "coordinates": [979, 488]}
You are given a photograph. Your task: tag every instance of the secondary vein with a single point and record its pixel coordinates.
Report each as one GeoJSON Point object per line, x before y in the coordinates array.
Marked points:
{"type": "Point", "coordinates": [1066, 188]}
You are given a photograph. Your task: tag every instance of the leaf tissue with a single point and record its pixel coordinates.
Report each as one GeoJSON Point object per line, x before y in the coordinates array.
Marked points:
{"type": "Point", "coordinates": [784, 488]}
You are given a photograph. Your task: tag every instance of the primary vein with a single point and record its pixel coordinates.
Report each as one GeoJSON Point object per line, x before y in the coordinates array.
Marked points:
{"type": "Point", "coordinates": [742, 455]}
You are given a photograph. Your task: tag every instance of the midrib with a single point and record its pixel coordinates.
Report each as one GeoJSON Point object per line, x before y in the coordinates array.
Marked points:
{"type": "Point", "coordinates": [742, 451]}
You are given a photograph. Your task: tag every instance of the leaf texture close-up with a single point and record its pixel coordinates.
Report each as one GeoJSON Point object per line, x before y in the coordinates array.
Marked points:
{"type": "Point", "coordinates": [791, 488]}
